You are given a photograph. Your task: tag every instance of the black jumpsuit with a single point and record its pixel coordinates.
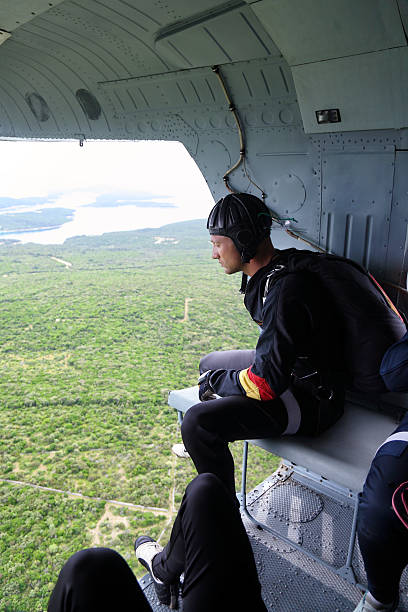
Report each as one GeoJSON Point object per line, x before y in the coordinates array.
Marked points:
{"type": "Point", "coordinates": [382, 537]}
{"type": "Point", "coordinates": [258, 397]}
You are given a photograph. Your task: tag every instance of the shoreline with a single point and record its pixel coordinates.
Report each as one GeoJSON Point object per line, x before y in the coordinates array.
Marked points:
{"type": "Point", "coordinates": [27, 230]}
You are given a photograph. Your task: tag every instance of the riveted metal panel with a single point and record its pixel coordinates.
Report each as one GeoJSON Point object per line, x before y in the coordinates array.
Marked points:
{"type": "Point", "coordinates": [204, 42]}
{"type": "Point", "coordinates": [174, 11]}
{"type": "Point", "coordinates": [257, 81]}
{"type": "Point", "coordinates": [280, 158]}
{"type": "Point", "coordinates": [183, 88]}
{"type": "Point", "coordinates": [397, 255]}
{"type": "Point", "coordinates": [313, 30]}
{"type": "Point", "coordinates": [356, 205]}
{"type": "Point", "coordinates": [370, 90]}
{"type": "Point", "coordinates": [291, 179]}
{"type": "Point", "coordinates": [123, 33]}
{"type": "Point", "coordinates": [13, 13]}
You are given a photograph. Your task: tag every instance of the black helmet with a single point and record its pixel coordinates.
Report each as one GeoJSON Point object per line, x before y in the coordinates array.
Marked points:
{"type": "Point", "coordinates": [244, 218]}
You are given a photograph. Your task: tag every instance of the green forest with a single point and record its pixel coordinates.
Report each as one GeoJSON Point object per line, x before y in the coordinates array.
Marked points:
{"type": "Point", "coordinates": [94, 334]}
{"type": "Point", "coordinates": [33, 220]}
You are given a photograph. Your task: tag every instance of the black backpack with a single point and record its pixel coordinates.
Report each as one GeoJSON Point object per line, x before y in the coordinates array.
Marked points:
{"type": "Point", "coordinates": [394, 366]}
{"type": "Point", "coordinates": [369, 321]}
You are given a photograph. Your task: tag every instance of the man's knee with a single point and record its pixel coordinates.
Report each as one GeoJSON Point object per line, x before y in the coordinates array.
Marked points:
{"type": "Point", "coordinates": [206, 487]}
{"type": "Point", "coordinates": [202, 424]}
{"type": "Point", "coordinates": [204, 483]}
{"type": "Point", "coordinates": [91, 560]}
{"type": "Point", "coordinates": [191, 422]}
{"type": "Point", "coordinates": [208, 362]}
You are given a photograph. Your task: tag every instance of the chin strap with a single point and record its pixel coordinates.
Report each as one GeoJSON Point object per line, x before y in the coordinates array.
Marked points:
{"type": "Point", "coordinates": [244, 283]}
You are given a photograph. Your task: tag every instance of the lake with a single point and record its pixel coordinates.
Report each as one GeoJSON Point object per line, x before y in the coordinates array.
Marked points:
{"type": "Point", "coordinates": [94, 221]}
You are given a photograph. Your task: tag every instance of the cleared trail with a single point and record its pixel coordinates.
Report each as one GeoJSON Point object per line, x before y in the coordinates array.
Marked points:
{"type": "Point", "coordinates": [186, 303]}
{"type": "Point", "coordinates": [152, 509]}
{"type": "Point", "coordinates": [67, 264]}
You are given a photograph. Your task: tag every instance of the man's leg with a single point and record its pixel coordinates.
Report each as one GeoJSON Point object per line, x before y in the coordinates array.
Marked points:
{"type": "Point", "coordinates": [208, 427]}
{"type": "Point", "coordinates": [97, 580]}
{"type": "Point", "coordinates": [236, 360]}
{"type": "Point", "coordinates": [209, 544]}
{"type": "Point", "coordinates": [382, 537]}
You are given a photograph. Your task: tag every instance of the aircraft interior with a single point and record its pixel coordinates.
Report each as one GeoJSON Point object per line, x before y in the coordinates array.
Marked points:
{"type": "Point", "coordinates": [301, 102]}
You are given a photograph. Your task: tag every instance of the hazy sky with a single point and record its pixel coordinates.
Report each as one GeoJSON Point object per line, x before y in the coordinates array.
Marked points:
{"type": "Point", "coordinates": [74, 175]}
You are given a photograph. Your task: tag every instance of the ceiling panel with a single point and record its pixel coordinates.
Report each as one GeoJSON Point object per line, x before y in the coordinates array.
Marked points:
{"type": "Point", "coordinates": [312, 30]}
{"type": "Point", "coordinates": [230, 36]}
{"type": "Point", "coordinates": [14, 13]}
{"type": "Point", "coordinates": [370, 91]}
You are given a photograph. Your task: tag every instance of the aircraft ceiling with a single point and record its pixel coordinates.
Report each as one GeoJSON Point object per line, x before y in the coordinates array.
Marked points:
{"type": "Point", "coordinates": [340, 53]}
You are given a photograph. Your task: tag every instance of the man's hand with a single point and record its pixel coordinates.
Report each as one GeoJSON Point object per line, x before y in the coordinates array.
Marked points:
{"type": "Point", "coordinates": [205, 391]}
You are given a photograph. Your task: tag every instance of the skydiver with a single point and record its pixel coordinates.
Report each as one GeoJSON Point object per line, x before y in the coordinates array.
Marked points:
{"type": "Point", "coordinates": [383, 507]}
{"type": "Point", "coordinates": [310, 343]}
{"type": "Point", "coordinates": [208, 544]}
{"type": "Point", "coordinates": [383, 522]}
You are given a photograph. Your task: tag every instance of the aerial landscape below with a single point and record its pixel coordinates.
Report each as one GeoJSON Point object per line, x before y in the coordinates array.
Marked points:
{"type": "Point", "coordinates": [95, 333]}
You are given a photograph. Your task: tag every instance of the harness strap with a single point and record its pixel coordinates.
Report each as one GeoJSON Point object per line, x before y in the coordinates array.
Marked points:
{"type": "Point", "coordinates": [400, 496]}
{"type": "Point", "coordinates": [277, 268]}
{"type": "Point", "coordinates": [293, 411]}
{"type": "Point", "coordinates": [388, 300]}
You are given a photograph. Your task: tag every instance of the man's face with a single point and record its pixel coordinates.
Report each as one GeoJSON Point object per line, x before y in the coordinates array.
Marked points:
{"type": "Point", "coordinates": [227, 254]}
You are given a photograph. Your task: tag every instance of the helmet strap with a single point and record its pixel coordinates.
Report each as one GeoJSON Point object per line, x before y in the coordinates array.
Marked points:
{"type": "Point", "coordinates": [244, 282]}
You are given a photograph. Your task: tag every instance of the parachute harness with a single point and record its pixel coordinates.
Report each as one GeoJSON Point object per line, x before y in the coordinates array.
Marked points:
{"type": "Point", "coordinates": [400, 503]}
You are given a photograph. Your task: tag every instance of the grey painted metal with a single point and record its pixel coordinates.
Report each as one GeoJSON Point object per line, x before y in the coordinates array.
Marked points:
{"type": "Point", "coordinates": [345, 570]}
{"type": "Point", "coordinates": [351, 85]}
{"type": "Point", "coordinates": [14, 14]}
{"type": "Point", "coordinates": [342, 454]}
{"type": "Point", "coordinates": [358, 27]}
{"type": "Point", "coordinates": [356, 212]}
{"type": "Point", "coordinates": [182, 399]}
{"type": "Point", "coordinates": [320, 483]}
{"type": "Point", "coordinates": [348, 567]}
{"type": "Point", "coordinates": [201, 40]}
{"type": "Point", "coordinates": [403, 10]}
{"type": "Point", "coordinates": [339, 62]}
{"type": "Point", "coordinates": [325, 534]}
{"type": "Point", "coordinates": [397, 252]}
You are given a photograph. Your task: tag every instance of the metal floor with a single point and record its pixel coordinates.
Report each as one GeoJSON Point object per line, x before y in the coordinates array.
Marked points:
{"type": "Point", "coordinates": [310, 515]}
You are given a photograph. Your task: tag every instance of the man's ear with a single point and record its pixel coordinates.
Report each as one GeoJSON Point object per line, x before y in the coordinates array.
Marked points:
{"type": "Point", "coordinates": [244, 237]}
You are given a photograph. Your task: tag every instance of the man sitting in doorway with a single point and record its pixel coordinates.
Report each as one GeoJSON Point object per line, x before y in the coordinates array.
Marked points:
{"type": "Point", "coordinates": [324, 323]}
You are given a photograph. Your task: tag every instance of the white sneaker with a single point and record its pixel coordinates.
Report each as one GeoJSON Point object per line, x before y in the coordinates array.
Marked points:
{"type": "Point", "coordinates": [146, 549]}
{"type": "Point", "coordinates": [366, 604]}
{"type": "Point", "coordinates": [180, 451]}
